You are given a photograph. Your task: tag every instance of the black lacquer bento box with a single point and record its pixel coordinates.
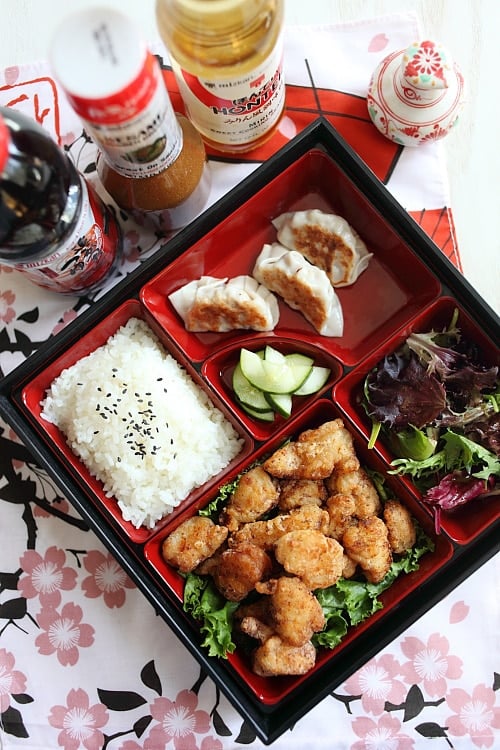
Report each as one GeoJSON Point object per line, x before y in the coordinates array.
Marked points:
{"type": "Point", "coordinates": [408, 286]}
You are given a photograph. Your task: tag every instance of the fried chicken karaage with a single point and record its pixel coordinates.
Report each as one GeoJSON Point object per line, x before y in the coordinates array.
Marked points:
{"type": "Point", "coordinates": [367, 543]}
{"type": "Point", "coordinates": [256, 494]}
{"type": "Point", "coordinates": [195, 540]}
{"type": "Point", "coordinates": [315, 454]}
{"type": "Point", "coordinates": [309, 515]}
{"type": "Point", "coordinates": [311, 556]}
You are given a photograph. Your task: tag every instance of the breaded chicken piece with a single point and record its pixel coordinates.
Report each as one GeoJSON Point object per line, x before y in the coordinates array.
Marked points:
{"type": "Point", "coordinates": [297, 492]}
{"type": "Point", "coordinates": [400, 525]}
{"type": "Point", "coordinates": [349, 567]}
{"type": "Point", "coordinates": [315, 454]}
{"type": "Point", "coordinates": [193, 541]}
{"type": "Point", "coordinates": [358, 484]}
{"type": "Point", "coordinates": [255, 628]}
{"type": "Point", "coordinates": [367, 543]}
{"type": "Point", "coordinates": [295, 612]}
{"type": "Point", "coordinates": [254, 619]}
{"type": "Point", "coordinates": [342, 512]}
{"type": "Point", "coordinates": [265, 533]}
{"type": "Point", "coordinates": [239, 569]}
{"type": "Point", "coordinates": [256, 494]}
{"type": "Point", "coordinates": [275, 657]}
{"type": "Point", "coordinates": [311, 556]}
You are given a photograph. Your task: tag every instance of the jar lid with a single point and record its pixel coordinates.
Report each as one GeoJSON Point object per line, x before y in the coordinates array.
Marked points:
{"type": "Point", "coordinates": [4, 143]}
{"type": "Point", "coordinates": [99, 59]}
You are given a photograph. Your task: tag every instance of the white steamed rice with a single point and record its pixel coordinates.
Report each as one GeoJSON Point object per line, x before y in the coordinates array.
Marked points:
{"type": "Point", "coordinates": [140, 424]}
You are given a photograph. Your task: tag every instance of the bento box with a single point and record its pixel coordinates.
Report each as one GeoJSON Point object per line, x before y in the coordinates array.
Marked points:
{"type": "Point", "coordinates": [320, 440]}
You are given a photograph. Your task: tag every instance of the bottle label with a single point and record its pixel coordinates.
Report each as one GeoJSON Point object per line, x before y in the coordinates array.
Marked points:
{"type": "Point", "coordinates": [86, 255]}
{"type": "Point", "coordinates": [237, 110]}
{"type": "Point", "coordinates": [136, 129]}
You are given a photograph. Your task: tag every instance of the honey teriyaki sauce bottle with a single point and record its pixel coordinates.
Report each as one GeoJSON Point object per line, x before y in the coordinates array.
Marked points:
{"type": "Point", "coordinates": [151, 160]}
{"type": "Point", "coordinates": [227, 56]}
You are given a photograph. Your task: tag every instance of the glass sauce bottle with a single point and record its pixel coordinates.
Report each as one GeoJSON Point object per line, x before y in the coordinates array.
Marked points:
{"type": "Point", "coordinates": [227, 56]}
{"type": "Point", "coordinates": [152, 161]}
{"type": "Point", "coordinates": [54, 228]}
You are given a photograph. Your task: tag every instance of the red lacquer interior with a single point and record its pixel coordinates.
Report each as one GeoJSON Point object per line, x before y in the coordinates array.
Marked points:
{"type": "Point", "coordinates": [395, 286]}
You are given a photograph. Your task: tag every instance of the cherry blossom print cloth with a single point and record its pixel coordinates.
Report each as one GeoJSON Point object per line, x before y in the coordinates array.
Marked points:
{"type": "Point", "coordinates": [85, 662]}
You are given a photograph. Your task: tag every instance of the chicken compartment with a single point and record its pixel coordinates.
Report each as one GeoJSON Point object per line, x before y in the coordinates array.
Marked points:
{"type": "Point", "coordinates": [283, 541]}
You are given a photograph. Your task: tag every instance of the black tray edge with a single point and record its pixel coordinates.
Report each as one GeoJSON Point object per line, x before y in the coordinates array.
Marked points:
{"type": "Point", "coordinates": [268, 722]}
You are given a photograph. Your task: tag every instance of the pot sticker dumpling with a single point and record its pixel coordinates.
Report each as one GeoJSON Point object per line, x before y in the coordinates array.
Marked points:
{"type": "Point", "coordinates": [302, 285]}
{"type": "Point", "coordinates": [327, 241]}
{"type": "Point", "coordinates": [221, 305]}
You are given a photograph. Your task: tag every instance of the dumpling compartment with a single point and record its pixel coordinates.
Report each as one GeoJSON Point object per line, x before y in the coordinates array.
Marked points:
{"type": "Point", "coordinates": [388, 292]}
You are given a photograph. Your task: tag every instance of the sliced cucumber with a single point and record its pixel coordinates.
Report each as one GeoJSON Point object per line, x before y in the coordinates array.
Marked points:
{"type": "Point", "coordinates": [299, 360]}
{"type": "Point", "coordinates": [280, 403]}
{"type": "Point", "coordinates": [272, 377]}
{"type": "Point", "coordinates": [265, 416]}
{"type": "Point", "coordinates": [273, 355]}
{"type": "Point", "coordinates": [266, 382]}
{"type": "Point", "coordinates": [246, 393]}
{"type": "Point", "coordinates": [314, 381]}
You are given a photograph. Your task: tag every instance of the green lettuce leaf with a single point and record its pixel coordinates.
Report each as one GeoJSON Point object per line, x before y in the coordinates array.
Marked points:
{"type": "Point", "coordinates": [206, 605]}
{"type": "Point", "coordinates": [458, 453]}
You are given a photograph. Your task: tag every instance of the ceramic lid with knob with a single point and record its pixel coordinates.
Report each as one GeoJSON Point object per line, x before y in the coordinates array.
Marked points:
{"type": "Point", "coordinates": [416, 95]}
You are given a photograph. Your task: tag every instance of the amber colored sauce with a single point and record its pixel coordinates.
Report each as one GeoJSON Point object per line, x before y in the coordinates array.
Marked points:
{"type": "Point", "coordinates": [221, 39]}
{"type": "Point", "coordinates": [166, 190]}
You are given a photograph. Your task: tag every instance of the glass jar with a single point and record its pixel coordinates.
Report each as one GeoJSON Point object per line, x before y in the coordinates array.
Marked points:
{"type": "Point", "coordinates": [54, 228]}
{"type": "Point", "coordinates": [227, 56]}
{"type": "Point", "coordinates": [151, 160]}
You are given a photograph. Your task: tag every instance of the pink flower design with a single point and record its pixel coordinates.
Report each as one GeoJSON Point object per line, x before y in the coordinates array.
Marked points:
{"type": "Point", "coordinates": [64, 633]}
{"type": "Point", "coordinates": [12, 681]}
{"type": "Point", "coordinates": [131, 247]}
{"type": "Point", "coordinates": [80, 722]}
{"type": "Point", "coordinates": [383, 733]}
{"type": "Point", "coordinates": [178, 721]}
{"type": "Point", "coordinates": [474, 715]}
{"type": "Point", "coordinates": [11, 74]}
{"type": "Point", "coordinates": [378, 43]}
{"type": "Point", "coordinates": [376, 684]}
{"type": "Point", "coordinates": [45, 576]}
{"type": "Point", "coordinates": [68, 316]}
{"type": "Point", "coordinates": [459, 612]}
{"type": "Point", "coordinates": [430, 663]}
{"type": "Point", "coordinates": [107, 578]}
{"type": "Point", "coordinates": [7, 313]}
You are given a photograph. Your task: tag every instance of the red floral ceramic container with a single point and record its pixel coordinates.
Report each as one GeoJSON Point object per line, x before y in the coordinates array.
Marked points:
{"type": "Point", "coordinates": [416, 95]}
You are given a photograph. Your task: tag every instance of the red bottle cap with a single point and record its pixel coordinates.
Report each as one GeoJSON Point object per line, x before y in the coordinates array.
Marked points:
{"type": "Point", "coordinates": [4, 143]}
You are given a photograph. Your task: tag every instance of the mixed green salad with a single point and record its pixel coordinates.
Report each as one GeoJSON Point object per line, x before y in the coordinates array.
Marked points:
{"type": "Point", "coordinates": [437, 406]}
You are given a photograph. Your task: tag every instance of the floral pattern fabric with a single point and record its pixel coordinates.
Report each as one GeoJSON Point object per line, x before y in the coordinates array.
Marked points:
{"type": "Point", "coordinates": [85, 661]}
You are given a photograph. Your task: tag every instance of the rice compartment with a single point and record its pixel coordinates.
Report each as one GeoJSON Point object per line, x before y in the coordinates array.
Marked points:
{"type": "Point", "coordinates": [140, 424]}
